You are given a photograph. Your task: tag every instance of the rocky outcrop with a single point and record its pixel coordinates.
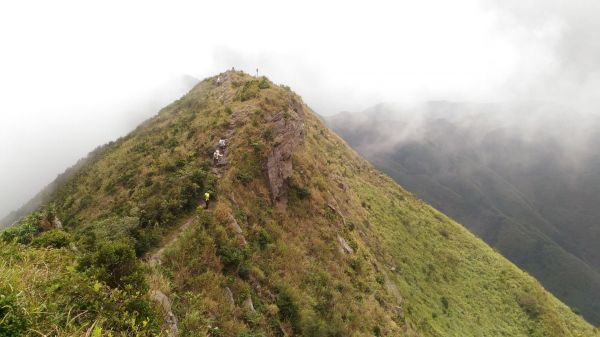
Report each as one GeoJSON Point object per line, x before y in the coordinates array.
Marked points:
{"type": "Point", "coordinates": [57, 223]}
{"type": "Point", "coordinates": [288, 132]}
{"type": "Point", "coordinates": [345, 247]}
{"type": "Point", "coordinates": [237, 229]}
{"type": "Point", "coordinates": [338, 213]}
{"type": "Point", "coordinates": [229, 297]}
{"type": "Point", "coordinates": [170, 321]}
{"type": "Point", "coordinates": [248, 305]}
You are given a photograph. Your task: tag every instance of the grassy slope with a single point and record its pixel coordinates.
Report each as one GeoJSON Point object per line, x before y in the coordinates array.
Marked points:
{"type": "Point", "coordinates": [413, 270]}
{"type": "Point", "coordinates": [450, 283]}
{"type": "Point", "coordinates": [520, 201]}
{"type": "Point", "coordinates": [513, 233]}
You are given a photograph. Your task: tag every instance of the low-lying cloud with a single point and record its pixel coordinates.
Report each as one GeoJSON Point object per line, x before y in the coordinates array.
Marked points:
{"type": "Point", "coordinates": [565, 51]}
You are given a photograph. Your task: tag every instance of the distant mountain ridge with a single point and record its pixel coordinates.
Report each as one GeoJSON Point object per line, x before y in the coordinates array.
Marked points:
{"type": "Point", "coordinates": [519, 185]}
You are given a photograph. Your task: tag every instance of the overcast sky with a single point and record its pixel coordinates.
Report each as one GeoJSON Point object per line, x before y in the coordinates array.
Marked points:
{"type": "Point", "coordinates": [76, 74]}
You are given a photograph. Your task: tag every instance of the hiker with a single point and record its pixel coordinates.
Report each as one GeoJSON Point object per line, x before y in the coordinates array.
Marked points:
{"type": "Point", "coordinates": [222, 143]}
{"type": "Point", "coordinates": [219, 80]}
{"type": "Point", "coordinates": [206, 199]}
{"type": "Point", "coordinates": [217, 156]}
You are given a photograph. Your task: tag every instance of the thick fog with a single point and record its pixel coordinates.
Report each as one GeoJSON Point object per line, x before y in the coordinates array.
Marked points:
{"type": "Point", "coordinates": [74, 75]}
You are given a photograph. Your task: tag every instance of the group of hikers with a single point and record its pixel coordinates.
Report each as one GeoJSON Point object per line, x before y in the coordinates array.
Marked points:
{"type": "Point", "coordinates": [217, 156]}
{"type": "Point", "coordinates": [219, 151]}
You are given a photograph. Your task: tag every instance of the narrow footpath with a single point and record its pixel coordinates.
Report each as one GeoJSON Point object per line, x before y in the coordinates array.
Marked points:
{"type": "Point", "coordinates": [154, 261]}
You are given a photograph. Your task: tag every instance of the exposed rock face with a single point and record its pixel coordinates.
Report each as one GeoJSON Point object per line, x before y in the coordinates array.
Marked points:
{"type": "Point", "coordinates": [238, 230]}
{"type": "Point", "coordinates": [229, 295]}
{"type": "Point", "coordinates": [248, 305]}
{"type": "Point", "coordinates": [170, 322]}
{"type": "Point", "coordinates": [288, 132]}
{"type": "Point", "coordinates": [57, 223]}
{"type": "Point", "coordinates": [338, 213]}
{"type": "Point", "coordinates": [345, 246]}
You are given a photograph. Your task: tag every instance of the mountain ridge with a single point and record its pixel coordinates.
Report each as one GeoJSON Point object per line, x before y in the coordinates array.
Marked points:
{"type": "Point", "coordinates": [302, 236]}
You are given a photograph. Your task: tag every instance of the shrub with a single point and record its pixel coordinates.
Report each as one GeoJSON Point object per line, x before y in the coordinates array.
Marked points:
{"type": "Point", "coordinates": [146, 238]}
{"type": "Point", "coordinates": [171, 143]}
{"type": "Point", "coordinates": [445, 303]}
{"type": "Point", "coordinates": [313, 325]}
{"type": "Point", "coordinates": [529, 303]}
{"type": "Point", "coordinates": [210, 185]}
{"type": "Point", "coordinates": [231, 257]}
{"type": "Point", "coordinates": [54, 239]}
{"type": "Point", "coordinates": [249, 90]}
{"type": "Point", "coordinates": [264, 83]}
{"type": "Point", "coordinates": [13, 322]}
{"type": "Point", "coordinates": [245, 270]}
{"type": "Point", "coordinates": [85, 202]}
{"type": "Point", "coordinates": [240, 216]}
{"type": "Point", "coordinates": [244, 177]}
{"type": "Point", "coordinates": [222, 214]}
{"type": "Point", "coordinates": [268, 134]}
{"type": "Point", "coordinates": [298, 192]}
{"type": "Point", "coordinates": [264, 238]}
{"type": "Point", "coordinates": [288, 309]}
{"type": "Point", "coordinates": [356, 265]}
{"type": "Point", "coordinates": [22, 233]}
{"type": "Point", "coordinates": [444, 232]}
{"type": "Point", "coordinates": [204, 218]}
{"type": "Point", "coordinates": [116, 264]}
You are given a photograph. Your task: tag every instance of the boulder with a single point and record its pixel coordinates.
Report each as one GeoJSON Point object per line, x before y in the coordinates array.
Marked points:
{"type": "Point", "coordinates": [229, 295]}
{"type": "Point", "coordinates": [57, 223]}
{"type": "Point", "coordinates": [248, 305]}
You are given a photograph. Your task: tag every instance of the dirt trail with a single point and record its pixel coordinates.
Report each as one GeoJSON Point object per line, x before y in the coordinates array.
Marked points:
{"type": "Point", "coordinates": [154, 260]}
